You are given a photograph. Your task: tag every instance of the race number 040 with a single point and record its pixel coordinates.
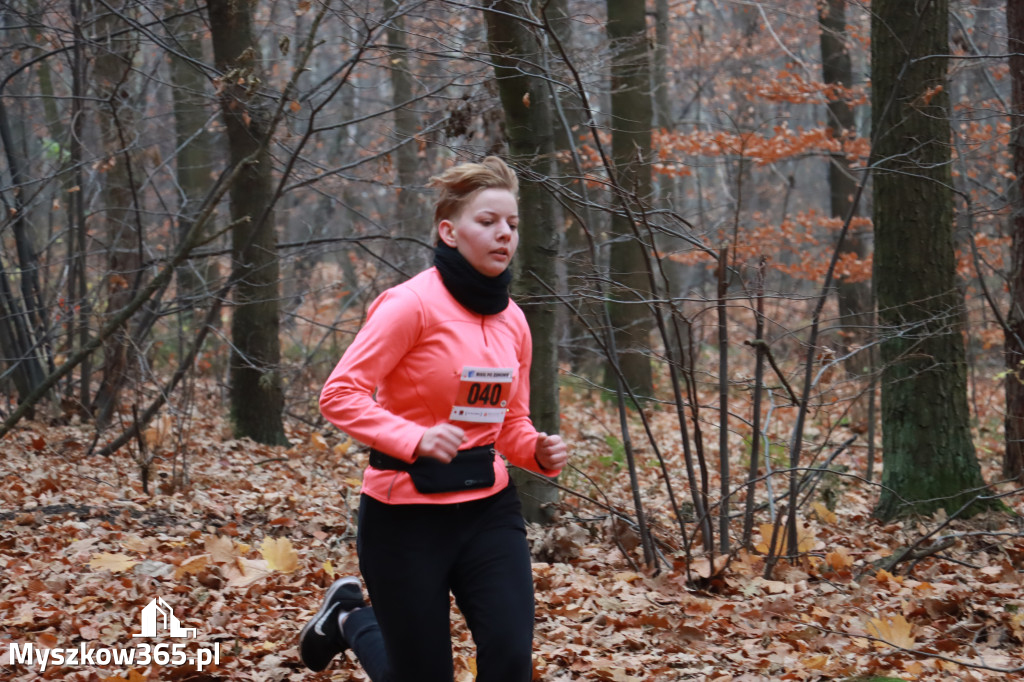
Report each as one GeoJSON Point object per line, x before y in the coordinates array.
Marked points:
{"type": "Point", "coordinates": [483, 395]}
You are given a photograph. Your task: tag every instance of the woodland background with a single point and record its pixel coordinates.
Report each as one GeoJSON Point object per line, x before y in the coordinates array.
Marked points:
{"type": "Point", "coordinates": [772, 257]}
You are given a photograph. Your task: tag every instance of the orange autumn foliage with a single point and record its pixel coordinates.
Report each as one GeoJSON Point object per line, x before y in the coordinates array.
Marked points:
{"type": "Point", "coordinates": [789, 86]}
{"type": "Point", "coordinates": [674, 148]}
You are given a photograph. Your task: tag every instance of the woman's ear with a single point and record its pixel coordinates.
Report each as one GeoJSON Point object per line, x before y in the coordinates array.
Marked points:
{"type": "Point", "coordinates": [446, 231]}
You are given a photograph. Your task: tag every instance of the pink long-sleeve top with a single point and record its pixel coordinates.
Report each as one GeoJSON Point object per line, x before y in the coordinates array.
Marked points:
{"type": "Point", "coordinates": [415, 350]}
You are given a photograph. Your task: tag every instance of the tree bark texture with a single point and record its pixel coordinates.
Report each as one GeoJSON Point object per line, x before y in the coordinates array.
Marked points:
{"type": "Point", "coordinates": [526, 100]}
{"type": "Point", "coordinates": [576, 267]}
{"type": "Point", "coordinates": [116, 122]}
{"type": "Point", "coordinates": [21, 321]}
{"type": "Point", "coordinates": [929, 458]}
{"type": "Point", "coordinates": [662, 53]}
{"type": "Point", "coordinates": [257, 398]}
{"type": "Point", "coordinates": [79, 308]}
{"type": "Point", "coordinates": [1013, 459]}
{"type": "Point", "coordinates": [854, 298]}
{"type": "Point", "coordinates": [409, 211]}
{"type": "Point", "coordinates": [631, 115]}
{"type": "Point", "coordinates": [194, 161]}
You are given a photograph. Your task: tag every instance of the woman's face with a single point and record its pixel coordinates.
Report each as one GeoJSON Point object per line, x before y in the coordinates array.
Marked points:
{"type": "Point", "coordinates": [485, 231]}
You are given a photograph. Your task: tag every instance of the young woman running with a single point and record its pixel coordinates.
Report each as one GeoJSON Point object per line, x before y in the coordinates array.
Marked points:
{"type": "Point", "coordinates": [437, 384]}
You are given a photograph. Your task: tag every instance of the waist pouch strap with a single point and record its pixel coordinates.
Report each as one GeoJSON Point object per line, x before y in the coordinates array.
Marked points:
{"type": "Point", "coordinates": [469, 470]}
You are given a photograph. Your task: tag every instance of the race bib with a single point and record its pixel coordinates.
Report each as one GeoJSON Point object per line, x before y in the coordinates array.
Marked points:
{"type": "Point", "coordinates": [483, 395]}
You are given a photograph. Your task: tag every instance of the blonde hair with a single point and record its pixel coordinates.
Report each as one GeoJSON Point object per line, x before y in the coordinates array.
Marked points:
{"type": "Point", "coordinates": [459, 183]}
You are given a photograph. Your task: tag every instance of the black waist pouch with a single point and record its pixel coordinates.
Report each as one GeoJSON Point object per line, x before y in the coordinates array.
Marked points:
{"type": "Point", "coordinates": [471, 469]}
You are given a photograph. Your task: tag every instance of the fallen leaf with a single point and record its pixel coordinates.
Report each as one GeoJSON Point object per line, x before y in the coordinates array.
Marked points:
{"type": "Point", "coordinates": [1017, 625]}
{"type": "Point", "coordinates": [111, 562]}
{"type": "Point", "coordinates": [896, 631]}
{"type": "Point", "coordinates": [193, 565]}
{"type": "Point", "coordinates": [141, 545]}
{"type": "Point", "coordinates": [273, 668]}
{"type": "Point", "coordinates": [775, 586]}
{"type": "Point", "coordinates": [89, 632]}
{"type": "Point", "coordinates": [817, 662]}
{"type": "Point", "coordinates": [615, 675]}
{"type": "Point", "coordinates": [80, 547]}
{"type": "Point", "coordinates": [884, 576]}
{"type": "Point", "coordinates": [221, 549]}
{"type": "Point", "coordinates": [245, 572]}
{"type": "Point", "coordinates": [824, 514]}
{"type": "Point", "coordinates": [838, 559]}
{"type": "Point", "coordinates": [702, 566]}
{"type": "Point", "coordinates": [280, 554]}
{"type": "Point", "coordinates": [805, 540]}
{"type": "Point", "coordinates": [155, 569]}
{"type": "Point", "coordinates": [992, 571]}
{"type": "Point", "coordinates": [158, 432]}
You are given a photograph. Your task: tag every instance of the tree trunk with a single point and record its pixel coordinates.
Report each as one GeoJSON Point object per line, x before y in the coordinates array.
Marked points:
{"type": "Point", "coordinates": [409, 216]}
{"type": "Point", "coordinates": [528, 122]}
{"type": "Point", "coordinates": [257, 397]}
{"type": "Point", "coordinates": [115, 118]}
{"type": "Point", "coordinates": [662, 53]}
{"type": "Point", "coordinates": [20, 316]}
{"type": "Point", "coordinates": [631, 156]}
{"type": "Point", "coordinates": [1013, 459]}
{"type": "Point", "coordinates": [929, 458]}
{"type": "Point", "coordinates": [78, 309]}
{"type": "Point", "coordinates": [193, 163]}
{"type": "Point", "coordinates": [576, 268]}
{"type": "Point", "coordinates": [14, 133]}
{"type": "Point", "coordinates": [854, 298]}
{"type": "Point", "coordinates": [669, 189]}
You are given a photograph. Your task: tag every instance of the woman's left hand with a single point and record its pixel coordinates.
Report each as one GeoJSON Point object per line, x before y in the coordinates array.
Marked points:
{"type": "Point", "coordinates": [551, 452]}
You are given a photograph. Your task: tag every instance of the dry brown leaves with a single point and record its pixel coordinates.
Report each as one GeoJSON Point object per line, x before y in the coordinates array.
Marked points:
{"type": "Point", "coordinates": [244, 551]}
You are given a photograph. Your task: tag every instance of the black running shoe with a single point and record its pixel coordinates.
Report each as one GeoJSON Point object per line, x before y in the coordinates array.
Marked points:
{"type": "Point", "coordinates": [321, 638]}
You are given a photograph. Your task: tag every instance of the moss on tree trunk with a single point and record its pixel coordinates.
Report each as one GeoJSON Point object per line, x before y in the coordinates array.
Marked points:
{"type": "Point", "coordinates": [929, 457]}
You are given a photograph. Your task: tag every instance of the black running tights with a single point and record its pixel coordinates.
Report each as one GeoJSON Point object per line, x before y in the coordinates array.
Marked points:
{"type": "Point", "coordinates": [411, 557]}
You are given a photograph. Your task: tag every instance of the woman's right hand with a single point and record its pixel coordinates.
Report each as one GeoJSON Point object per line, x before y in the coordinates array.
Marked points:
{"type": "Point", "coordinates": [441, 442]}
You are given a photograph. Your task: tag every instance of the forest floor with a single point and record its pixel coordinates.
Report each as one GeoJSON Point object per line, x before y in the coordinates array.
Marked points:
{"type": "Point", "coordinates": [243, 551]}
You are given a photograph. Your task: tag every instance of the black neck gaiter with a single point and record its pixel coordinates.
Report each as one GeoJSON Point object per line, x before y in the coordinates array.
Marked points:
{"type": "Point", "coordinates": [473, 290]}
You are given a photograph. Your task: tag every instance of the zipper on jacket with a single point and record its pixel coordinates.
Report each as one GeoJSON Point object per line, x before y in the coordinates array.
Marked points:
{"type": "Point", "coordinates": [483, 328]}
